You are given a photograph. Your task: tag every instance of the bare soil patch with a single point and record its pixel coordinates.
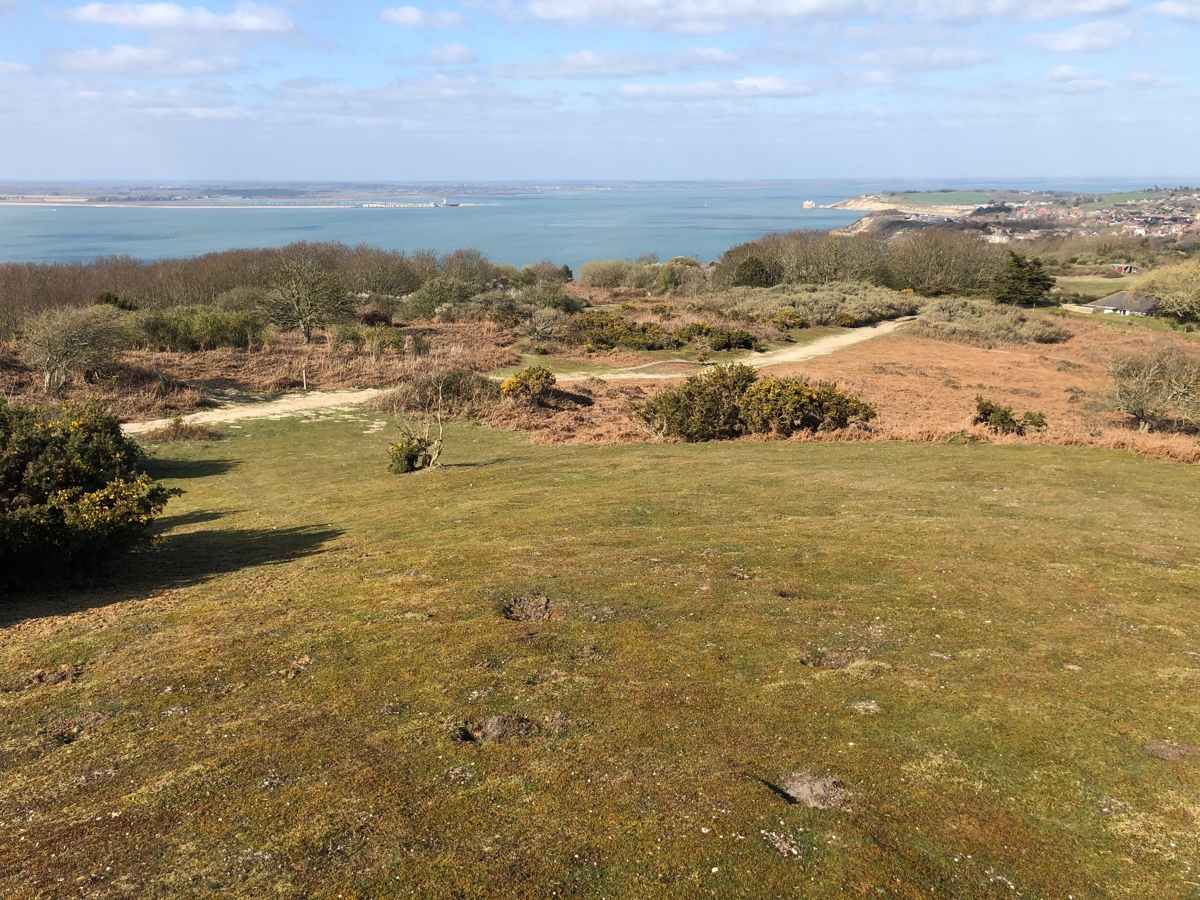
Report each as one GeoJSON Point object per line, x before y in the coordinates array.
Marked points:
{"type": "Point", "coordinates": [814, 791]}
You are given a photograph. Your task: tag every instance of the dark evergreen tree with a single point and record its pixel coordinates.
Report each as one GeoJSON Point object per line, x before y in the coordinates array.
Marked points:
{"type": "Point", "coordinates": [1024, 282]}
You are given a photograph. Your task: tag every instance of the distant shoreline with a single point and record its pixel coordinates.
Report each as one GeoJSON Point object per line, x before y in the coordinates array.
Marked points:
{"type": "Point", "coordinates": [88, 204]}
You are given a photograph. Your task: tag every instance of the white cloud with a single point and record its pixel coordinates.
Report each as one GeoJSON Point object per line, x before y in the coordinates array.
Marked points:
{"type": "Point", "coordinates": [245, 17]}
{"type": "Point", "coordinates": [1188, 10]}
{"type": "Point", "coordinates": [923, 58]}
{"type": "Point", "coordinates": [414, 17]}
{"type": "Point", "coordinates": [590, 64]}
{"type": "Point", "coordinates": [1074, 81]}
{"type": "Point", "coordinates": [750, 87]}
{"type": "Point", "coordinates": [1086, 38]}
{"type": "Point", "coordinates": [711, 16]}
{"type": "Point", "coordinates": [144, 62]}
{"type": "Point", "coordinates": [12, 68]}
{"type": "Point", "coordinates": [452, 55]}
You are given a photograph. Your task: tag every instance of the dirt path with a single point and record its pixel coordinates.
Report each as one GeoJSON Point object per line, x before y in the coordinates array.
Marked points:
{"type": "Point", "coordinates": [821, 347]}
{"type": "Point", "coordinates": [314, 400]}
{"type": "Point", "coordinates": [287, 405]}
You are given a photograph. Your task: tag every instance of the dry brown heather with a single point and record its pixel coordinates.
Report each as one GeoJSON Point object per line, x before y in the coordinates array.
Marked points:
{"type": "Point", "coordinates": [147, 384]}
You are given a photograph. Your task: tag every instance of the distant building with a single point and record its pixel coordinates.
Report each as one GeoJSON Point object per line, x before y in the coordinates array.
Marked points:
{"type": "Point", "coordinates": [1126, 303]}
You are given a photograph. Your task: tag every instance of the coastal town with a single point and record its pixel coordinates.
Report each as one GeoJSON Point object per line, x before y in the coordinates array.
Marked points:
{"type": "Point", "coordinates": [1005, 216]}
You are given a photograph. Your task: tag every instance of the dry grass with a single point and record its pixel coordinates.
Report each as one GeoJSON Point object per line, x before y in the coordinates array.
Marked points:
{"type": "Point", "coordinates": [147, 384]}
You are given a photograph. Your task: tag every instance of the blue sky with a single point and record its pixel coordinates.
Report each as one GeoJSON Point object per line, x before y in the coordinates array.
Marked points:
{"type": "Point", "coordinates": [599, 89]}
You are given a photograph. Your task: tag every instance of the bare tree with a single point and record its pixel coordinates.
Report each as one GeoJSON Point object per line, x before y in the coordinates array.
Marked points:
{"type": "Point", "coordinates": [306, 296]}
{"type": "Point", "coordinates": [65, 342]}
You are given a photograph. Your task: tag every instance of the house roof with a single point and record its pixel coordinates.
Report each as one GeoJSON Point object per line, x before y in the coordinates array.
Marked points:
{"type": "Point", "coordinates": [1127, 301]}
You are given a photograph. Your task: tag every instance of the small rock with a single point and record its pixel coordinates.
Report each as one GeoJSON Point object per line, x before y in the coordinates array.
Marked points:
{"type": "Point", "coordinates": [865, 707]}
{"type": "Point", "coordinates": [814, 791]}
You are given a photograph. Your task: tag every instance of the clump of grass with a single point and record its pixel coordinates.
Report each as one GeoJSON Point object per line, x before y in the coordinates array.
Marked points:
{"type": "Point", "coordinates": [178, 430]}
{"type": "Point", "coordinates": [985, 324]}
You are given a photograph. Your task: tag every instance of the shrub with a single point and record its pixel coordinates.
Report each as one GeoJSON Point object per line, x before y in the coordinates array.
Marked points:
{"type": "Point", "coordinates": [612, 273]}
{"type": "Point", "coordinates": [443, 291]}
{"type": "Point", "coordinates": [178, 430]}
{"type": "Point", "coordinates": [550, 295]}
{"type": "Point", "coordinates": [717, 339]}
{"type": "Point", "coordinates": [448, 392]}
{"type": "Point", "coordinates": [374, 315]}
{"type": "Point", "coordinates": [706, 407]}
{"type": "Point", "coordinates": [1178, 290]}
{"type": "Point", "coordinates": [1002, 420]}
{"type": "Point", "coordinates": [605, 331]}
{"type": "Point", "coordinates": [73, 492]}
{"type": "Point", "coordinates": [187, 329]}
{"type": "Point", "coordinates": [347, 337]}
{"type": "Point", "coordinates": [753, 271]}
{"type": "Point", "coordinates": [64, 342]}
{"type": "Point", "coordinates": [546, 325]}
{"type": "Point", "coordinates": [784, 406]}
{"type": "Point", "coordinates": [986, 324]}
{"type": "Point", "coordinates": [414, 450]}
{"type": "Point", "coordinates": [382, 339]}
{"type": "Point", "coordinates": [1160, 388]}
{"type": "Point", "coordinates": [531, 385]}
{"type": "Point", "coordinates": [108, 298]}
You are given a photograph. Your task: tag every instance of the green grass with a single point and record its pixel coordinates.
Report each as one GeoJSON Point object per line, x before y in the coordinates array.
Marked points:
{"type": "Point", "coordinates": [599, 366]}
{"type": "Point", "coordinates": [943, 198]}
{"type": "Point", "coordinates": [1138, 323]}
{"type": "Point", "coordinates": [1024, 617]}
{"type": "Point", "coordinates": [1096, 287]}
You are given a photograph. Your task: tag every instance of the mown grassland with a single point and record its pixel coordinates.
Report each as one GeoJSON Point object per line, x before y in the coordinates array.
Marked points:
{"type": "Point", "coordinates": [266, 701]}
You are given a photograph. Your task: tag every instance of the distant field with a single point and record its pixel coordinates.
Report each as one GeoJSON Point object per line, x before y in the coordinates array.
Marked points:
{"type": "Point", "coordinates": [1095, 287]}
{"type": "Point", "coordinates": [992, 648]}
{"type": "Point", "coordinates": [946, 198]}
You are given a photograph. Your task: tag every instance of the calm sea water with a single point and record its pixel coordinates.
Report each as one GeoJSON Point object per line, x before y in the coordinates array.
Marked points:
{"type": "Point", "coordinates": [570, 224]}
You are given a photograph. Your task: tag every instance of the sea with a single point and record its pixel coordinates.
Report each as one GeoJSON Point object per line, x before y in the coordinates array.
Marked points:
{"type": "Point", "coordinates": [567, 223]}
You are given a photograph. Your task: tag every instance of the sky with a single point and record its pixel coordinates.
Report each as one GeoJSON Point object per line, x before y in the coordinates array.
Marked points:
{"type": "Point", "coordinates": [599, 89]}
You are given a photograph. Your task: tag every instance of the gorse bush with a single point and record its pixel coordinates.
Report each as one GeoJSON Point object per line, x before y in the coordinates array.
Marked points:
{"type": "Point", "coordinates": [531, 385]}
{"type": "Point", "coordinates": [73, 492]}
{"type": "Point", "coordinates": [730, 401]}
{"type": "Point", "coordinates": [706, 407]}
{"type": "Point", "coordinates": [187, 329]}
{"type": "Point", "coordinates": [784, 406]}
{"type": "Point", "coordinates": [598, 330]}
{"type": "Point", "coordinates": [715, 338]}
{"type": "Point", "coordinates": [413, 451]}
{"type": "Point", "coordinates": [1002, 420]}
{"type": "Point", "coordinates": [985, 324]}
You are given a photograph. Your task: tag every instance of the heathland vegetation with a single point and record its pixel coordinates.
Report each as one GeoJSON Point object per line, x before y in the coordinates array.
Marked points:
{"type": "Point", "coordinates": [404, 647]}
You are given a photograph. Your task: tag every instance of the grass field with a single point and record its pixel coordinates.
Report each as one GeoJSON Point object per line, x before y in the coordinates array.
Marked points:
{"type": "Point", "coordinates": [992, 648]}
{"type": "Point", "coordinates": [1096, 287]}
{"type": "Point", "coordinates": [943, 198]}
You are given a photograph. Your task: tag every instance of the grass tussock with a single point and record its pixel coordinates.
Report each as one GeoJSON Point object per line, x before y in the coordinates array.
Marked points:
{"type": "Point", "coordinates": [177, 431]}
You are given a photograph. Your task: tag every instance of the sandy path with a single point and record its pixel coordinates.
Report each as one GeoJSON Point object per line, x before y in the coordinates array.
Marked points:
{"type": "Point", "coordinates": [818, 348]}
{"type": "Point", "coordinates": [314, 400]}
{"type": "Point", "coordinates": [284, 406]}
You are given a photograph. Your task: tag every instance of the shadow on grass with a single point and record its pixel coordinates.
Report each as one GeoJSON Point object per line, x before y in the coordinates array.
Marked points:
{"type": "Point", "coordinates": [482, 463]}
{"type": "Point", "coordinates": [188, 468]}
{"type": "Point", "coordinates": [175, 561]}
